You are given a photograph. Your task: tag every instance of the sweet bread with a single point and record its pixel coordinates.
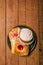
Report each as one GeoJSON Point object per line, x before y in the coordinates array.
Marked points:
{"type": "Point", "coordinates": [19, 49]}
{"type": "Point", "coordinates": [26, 36]}
{"type": "Point", "coordinates": [14, 33]}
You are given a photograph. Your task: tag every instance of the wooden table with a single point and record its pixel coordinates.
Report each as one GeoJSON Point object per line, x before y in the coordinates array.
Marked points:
{"type": "Point", "coordinates": [20, 12]}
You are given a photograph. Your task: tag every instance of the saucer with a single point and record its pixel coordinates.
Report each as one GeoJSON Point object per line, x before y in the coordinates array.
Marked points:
{"type": "Point", "coordinates": [32, 45]}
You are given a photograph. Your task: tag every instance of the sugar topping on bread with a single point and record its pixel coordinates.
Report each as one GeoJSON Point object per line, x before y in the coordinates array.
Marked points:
{"type": "Point", "coordinates": [14, 33]}
{"type": "Point", "coordinates": [26, 34]}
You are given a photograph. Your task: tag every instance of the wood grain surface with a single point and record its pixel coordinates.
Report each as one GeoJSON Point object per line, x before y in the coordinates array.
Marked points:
{"type": "Point", "coordinates": [2, 32]}
{"type": "Point", "coordinates": [41, 32]}
{"type": "Point", "coordinates": [21, 12]}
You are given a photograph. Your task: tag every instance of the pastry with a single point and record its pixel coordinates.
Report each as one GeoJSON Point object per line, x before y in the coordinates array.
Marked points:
{"type": "Point", "coordinates": [19, 49]}
{"type": "Point", "coordinates": [26, 36]}
{"type": "Point", "coordinates": [14, 33]}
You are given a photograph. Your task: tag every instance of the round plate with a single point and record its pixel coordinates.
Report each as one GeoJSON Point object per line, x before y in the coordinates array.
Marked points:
{"type": "Point", "coordinates": [31, 46]}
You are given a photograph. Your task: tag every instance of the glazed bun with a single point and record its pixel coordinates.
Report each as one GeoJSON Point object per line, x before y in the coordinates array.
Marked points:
{"type": "Point", "coordinates": [26, 34]}
{"type": "Point", "coordinates": [19, 49]}
{"type": "Point", "coordinates": [14, 33]}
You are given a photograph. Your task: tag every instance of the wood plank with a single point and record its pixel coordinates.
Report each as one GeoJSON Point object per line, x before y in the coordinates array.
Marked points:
{"type": "Point", "coordinates": [11, 21]}
{"type": "Point", "coordinates": [41, 31]}
{"type": "Point", "coordinates": [32, 21]}
{"type": "Point", "coordinates": [22, 60]}
{"type": "Point", "coordinates": [2, 32]}
{"type": "Point", "coordinates": [22, 12]}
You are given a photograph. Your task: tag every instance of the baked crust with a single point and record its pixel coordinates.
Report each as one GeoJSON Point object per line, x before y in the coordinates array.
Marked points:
{"type": "Point", "coordinates": [15, 30]}
{"type": "Point", "coordinates": [16, 51]}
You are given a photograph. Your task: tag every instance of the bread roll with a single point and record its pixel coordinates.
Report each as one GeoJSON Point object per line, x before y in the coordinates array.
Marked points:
{"type": "Point", "coordinates": [18, 49]}
{"type": "Point", "coordinates": [14, 33]}
{"type": "Point", "coordinates": [26, 34]}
